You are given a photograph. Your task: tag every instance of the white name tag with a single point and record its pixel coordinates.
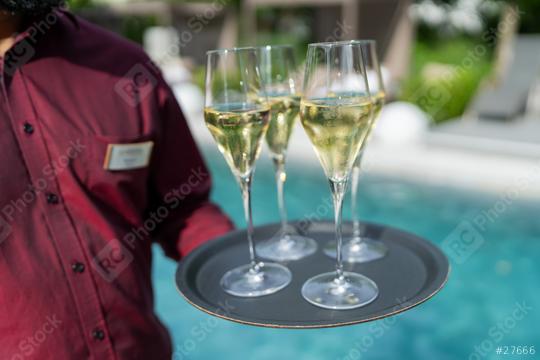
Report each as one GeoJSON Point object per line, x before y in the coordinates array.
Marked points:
{"type": "Point", "coordinates": [128, 156]}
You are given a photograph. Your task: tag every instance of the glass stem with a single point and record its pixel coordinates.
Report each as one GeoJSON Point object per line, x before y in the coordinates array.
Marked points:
{"type": "Point", "coordinates": [245, 186]}
{"type": "Point", "coordinates": [355, 179]}
{"type": "Point", "coordinates": [281, 177]}
{"type": "Point", "coordinates": [338, 192]}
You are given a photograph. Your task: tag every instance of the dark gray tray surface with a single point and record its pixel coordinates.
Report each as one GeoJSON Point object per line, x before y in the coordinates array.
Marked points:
{"type": "Point", "coordinates": [413, 271]}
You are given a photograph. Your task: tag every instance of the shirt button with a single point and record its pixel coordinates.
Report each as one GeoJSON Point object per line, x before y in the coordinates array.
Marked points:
{"type": "Point", "coordinates": [52, 198]}
{"type": "Point", "coordinates": [28, 128]}
{"type": "Point", "coordinates": [78, 267]}
{"type": "Point", "coordinates": [98, 334]}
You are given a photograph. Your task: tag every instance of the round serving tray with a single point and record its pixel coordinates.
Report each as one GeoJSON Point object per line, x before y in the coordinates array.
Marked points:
{"type": "Point", "coordinates": [413, 271]}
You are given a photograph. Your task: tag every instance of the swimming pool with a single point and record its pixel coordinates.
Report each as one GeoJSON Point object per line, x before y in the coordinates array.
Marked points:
{"type": "Point", "coordinates": [491, 299]}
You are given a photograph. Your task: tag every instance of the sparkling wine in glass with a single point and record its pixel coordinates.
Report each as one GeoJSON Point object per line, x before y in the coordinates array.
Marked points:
{"type": "Point", "coordinates": [278, 69]}
{"type": "Point", "coordinates": [237, 113]}
{"type": "Point", "coordinates": [336, 113]}
{"type": "Point", "coordinates": [359, 248]}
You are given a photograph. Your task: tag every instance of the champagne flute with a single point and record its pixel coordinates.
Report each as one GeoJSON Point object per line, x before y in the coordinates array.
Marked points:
{"type": "Point", "coordinates": [278, 68]}
{"type": "Point", "coordinates": [237, 115]}
{"type": "Point", "coordinates": [359, 248]}
{"type": "Point", "coordinates": [336, 112]}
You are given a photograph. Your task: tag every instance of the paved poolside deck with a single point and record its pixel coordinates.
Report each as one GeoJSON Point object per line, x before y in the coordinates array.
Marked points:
{"type": "Point", "coordinates": [520, 137]}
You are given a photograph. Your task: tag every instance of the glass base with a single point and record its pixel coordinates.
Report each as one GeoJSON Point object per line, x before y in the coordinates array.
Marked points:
{"type": "Point", "coordinates": [243, 281]}
{"type": "Point", "coordinates": [355, 251]}
{"type": "Point", "coordinates": [351, 292]}
{"type": "Point", "coordinates": [286, 248]}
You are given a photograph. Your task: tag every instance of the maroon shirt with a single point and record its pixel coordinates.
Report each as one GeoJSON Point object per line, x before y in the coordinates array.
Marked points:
{"type": "Point", "coordinates": [76, 234]}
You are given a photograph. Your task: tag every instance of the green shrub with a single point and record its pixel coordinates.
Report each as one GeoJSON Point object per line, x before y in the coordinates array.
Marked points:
{"type": "Point", "coordinates": [446, 95]}
{"type": "Point", "coordinates": [133, 27]}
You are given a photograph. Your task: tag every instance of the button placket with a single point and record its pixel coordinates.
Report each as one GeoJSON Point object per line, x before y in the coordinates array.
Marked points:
{"type": "Point", "coordinates": [37, 156]}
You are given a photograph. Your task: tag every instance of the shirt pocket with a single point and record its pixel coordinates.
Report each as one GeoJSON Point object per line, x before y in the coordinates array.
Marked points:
{"type": "Point", "coordinates": [122, 190]}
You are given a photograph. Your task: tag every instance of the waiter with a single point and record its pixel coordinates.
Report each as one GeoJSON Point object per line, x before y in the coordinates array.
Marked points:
{"type": "Point", "coordinates": [97, 163]}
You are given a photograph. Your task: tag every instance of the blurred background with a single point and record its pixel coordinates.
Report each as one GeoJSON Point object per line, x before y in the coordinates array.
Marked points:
{"type": "Point", "coordinates": [456, 152]}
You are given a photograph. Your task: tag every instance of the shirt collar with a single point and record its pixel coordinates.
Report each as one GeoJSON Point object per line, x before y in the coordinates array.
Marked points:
{"type": "Point", "coordinates": [35, 25]}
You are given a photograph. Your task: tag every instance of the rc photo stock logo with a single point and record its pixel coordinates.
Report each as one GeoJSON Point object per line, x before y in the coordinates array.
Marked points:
{"type": "Point", "coordinates": [432, 97]}
{"type": "Point", "coordinates": [19, 55]}
{"type": "Point", "coordinates": [463, 242]}
{"type": "Point", "coordinates": [112, 260]}
{"type": "Point", "coordinates": [136, 85]}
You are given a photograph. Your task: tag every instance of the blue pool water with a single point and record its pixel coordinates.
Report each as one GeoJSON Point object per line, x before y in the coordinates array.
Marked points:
{"type": "Point", "coordinates": [492, 297]}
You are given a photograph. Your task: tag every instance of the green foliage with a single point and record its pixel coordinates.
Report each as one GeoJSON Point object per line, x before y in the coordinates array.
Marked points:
{"type": "Point", "coordinates": [133, 27]}
{"type": "Point", "coordinates": [198, 76]}
{"type": "Point", "coordinates": [79, 4]}
{"type": "Point", "coordinates": [447, 95]}
{"type": "Point", "coordinates": [231, 2]}
{"type": "Point", "coordinates": [300, 48]}
{"type": "Point", "coordinates": [277, 26]}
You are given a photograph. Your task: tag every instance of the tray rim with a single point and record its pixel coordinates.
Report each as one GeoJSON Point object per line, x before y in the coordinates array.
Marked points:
{"type": "Point", "coordinates": [179, 287]}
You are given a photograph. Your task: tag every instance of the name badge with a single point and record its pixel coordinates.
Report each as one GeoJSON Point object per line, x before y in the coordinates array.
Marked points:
{"type": "Point", "coordinates": [128, 156]}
